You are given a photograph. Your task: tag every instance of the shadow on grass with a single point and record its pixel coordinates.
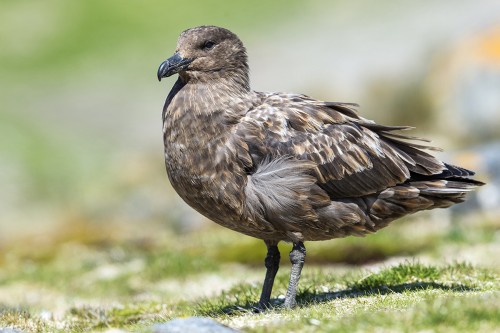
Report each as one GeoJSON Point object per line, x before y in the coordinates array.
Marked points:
{"type": "Point", "coordinates": [305, 298]}
{"type": "Point", "coordinates": [308, 297]}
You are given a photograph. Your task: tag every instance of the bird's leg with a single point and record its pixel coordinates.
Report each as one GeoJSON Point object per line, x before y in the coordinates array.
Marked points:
{"type": "Point", "coordinates": [297, 257]}
{"type": "Point", "coordinates": [272, 263]}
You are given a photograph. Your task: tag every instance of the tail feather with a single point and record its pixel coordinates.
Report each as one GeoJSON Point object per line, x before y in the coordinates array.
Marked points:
{"type": "Point", "coordinates": [414, 196]}
{"type": "Point", "coordinates": [363, 215]}
{"type": "Point", "coordinates": [459, 171]}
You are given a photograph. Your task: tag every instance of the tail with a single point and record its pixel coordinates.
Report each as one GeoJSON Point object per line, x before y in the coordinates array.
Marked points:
{"type": "Point", "coordinates": [421, 193]}
{"type": "Point", "coordinates": [363, 215]}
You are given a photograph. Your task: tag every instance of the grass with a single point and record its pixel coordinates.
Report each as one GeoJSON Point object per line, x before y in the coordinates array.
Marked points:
{"type": "Point", "coordinates": [85, 278]}
{"type": "Point", "coordinates": [455, 297]}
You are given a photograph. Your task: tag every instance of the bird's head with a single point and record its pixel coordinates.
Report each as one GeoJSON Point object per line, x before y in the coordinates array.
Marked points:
{"type": "Point", "coordinates": [205, 53]}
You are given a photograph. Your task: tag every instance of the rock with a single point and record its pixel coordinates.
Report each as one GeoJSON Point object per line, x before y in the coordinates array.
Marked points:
{"type": "Point", "coordinates": [10, 330]}
{"type": "Point", "coordinates": [192, 325]}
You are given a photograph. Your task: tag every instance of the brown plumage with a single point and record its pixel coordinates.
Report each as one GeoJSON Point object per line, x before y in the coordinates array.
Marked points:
{"type": "Point", "coordinates": [286, 167]}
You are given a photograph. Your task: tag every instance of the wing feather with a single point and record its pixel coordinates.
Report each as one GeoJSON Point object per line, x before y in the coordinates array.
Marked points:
{"type": "Point", "coordinates": [354, 156]}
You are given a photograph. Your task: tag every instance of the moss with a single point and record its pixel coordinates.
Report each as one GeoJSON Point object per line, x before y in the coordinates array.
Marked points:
{"type": "Point", "coordinates": [125, 316]}
{"type": "Point", "coordinates": [23, 319]}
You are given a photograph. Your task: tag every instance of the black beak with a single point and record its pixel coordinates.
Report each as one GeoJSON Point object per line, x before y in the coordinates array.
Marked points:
{"type": "Point", "coordinates": [172, 65]}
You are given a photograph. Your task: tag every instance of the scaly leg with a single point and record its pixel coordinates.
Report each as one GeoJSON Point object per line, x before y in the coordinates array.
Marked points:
{"type": "Point", "coordinates": [272, 263]}
{"type": "Point", "coordinates": [297, 257]}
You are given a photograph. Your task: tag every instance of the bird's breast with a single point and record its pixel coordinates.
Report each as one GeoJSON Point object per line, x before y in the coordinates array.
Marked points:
{"type": "Point", "coordinates": [201, 167]}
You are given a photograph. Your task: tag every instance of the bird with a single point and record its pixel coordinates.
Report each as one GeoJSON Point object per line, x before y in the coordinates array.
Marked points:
{"type": "Point", "coordinates": [284, 166]}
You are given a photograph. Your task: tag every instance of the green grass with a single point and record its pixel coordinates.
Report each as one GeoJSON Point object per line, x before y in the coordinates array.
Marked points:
{"type": "Point", "coordinates": [316, 287]}
{"type": "Point", "coordinates": [85, 277]}
{"type": "Point", "coordinates": [403, 297]}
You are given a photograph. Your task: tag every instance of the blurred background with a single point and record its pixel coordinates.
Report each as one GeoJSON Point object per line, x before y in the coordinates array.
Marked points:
{"type": "Point", "coordinates": [81, 152]}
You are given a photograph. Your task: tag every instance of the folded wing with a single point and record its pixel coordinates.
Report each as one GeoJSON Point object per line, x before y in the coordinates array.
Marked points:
{"type": "Point", "coordinates": [353, 156]}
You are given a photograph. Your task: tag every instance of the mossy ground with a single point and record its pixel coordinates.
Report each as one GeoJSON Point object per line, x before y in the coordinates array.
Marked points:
{"type": "Point", "coordinates": [83, 278]}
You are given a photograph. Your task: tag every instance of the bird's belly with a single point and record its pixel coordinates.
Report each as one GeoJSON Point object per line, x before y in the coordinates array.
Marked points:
{"type": "Point", "coordinates": [214, 191]}
{"type": "Point", "coordinates": [207, 173]}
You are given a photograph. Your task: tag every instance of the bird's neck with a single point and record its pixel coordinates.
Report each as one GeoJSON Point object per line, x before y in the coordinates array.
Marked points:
{"type": "Point", "coordinates": [232, 80]}
{"type": "Point", "coordinates": [229, 93]}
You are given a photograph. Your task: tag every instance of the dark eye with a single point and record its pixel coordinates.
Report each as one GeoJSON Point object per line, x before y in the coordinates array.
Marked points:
{"type": "Point", "coordinates": [208, 45]}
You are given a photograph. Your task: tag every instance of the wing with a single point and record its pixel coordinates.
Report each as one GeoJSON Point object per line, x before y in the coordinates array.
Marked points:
{"type": "Point", "coordinates": [353, 156]}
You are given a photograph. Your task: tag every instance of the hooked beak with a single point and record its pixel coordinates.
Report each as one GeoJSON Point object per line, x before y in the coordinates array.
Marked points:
{"type": "Point", "coordinates": [172, 65]}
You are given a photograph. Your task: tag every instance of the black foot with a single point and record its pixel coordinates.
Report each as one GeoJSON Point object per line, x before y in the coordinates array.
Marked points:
{"type": "Point", "coordinates": [272, 263]}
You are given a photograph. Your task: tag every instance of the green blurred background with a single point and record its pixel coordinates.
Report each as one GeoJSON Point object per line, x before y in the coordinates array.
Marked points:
{"type": "Point", "coordinates": [80, 110]}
